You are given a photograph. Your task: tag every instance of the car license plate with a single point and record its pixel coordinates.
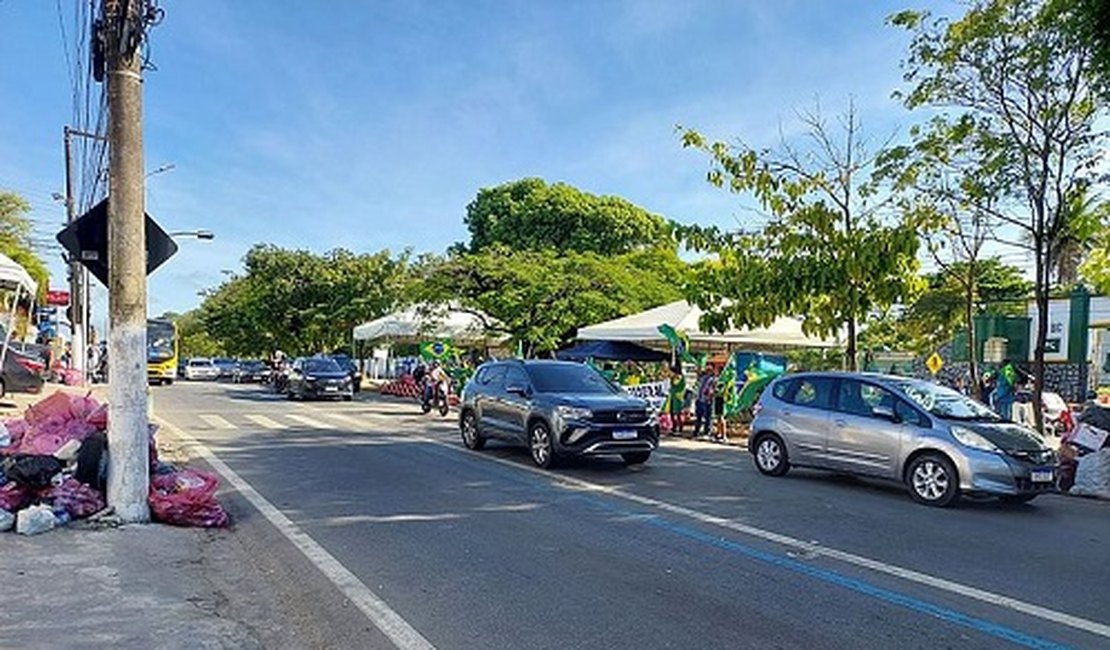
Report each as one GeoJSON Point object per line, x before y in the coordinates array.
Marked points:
{"type": "Point", "coordinates": [1041, 476]}
{"type": "Point", "coordinates": [331, 389]}
{"type": "Point", "coordinates": [624, 434]}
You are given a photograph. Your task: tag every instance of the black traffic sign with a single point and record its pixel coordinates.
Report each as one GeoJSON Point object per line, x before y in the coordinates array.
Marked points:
{"type": "Point", "coordinates": [86, 239]}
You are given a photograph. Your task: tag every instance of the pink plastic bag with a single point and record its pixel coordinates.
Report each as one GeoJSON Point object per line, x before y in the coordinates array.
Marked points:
{"type": "Point", "coordinates": [13, 496]}
{"type": "Point", "coordinates": [78, 499]}
{"type": "Point", "coordinates": [187, 498]}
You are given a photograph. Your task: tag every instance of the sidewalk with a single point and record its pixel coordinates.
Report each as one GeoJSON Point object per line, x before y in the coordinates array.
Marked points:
{"type": "Point", "coordinates": [156, 586]}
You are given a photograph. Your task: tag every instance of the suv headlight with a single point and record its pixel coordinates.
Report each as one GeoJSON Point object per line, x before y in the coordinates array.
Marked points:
{"type": "Point", "coordinates": [969, 438]}
{"type": "Point", "coordinates": [573, 413]}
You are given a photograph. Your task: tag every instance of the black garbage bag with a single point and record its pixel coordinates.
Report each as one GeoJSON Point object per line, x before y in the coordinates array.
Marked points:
{"type": "Point", "coordinates": [31, 470]}
{"type": "Point", "coordinates": [92, 461]}
{"type": "Point", "coordinates": [1096, 415]}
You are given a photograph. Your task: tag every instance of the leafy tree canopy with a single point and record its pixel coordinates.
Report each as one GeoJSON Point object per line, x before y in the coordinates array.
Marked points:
{"type": "Point", "coordinates": [540, 297]}
{"type": "Point", "coordinates": [529, 214]}
{"type": "Point", "coordinates": [15, 239]}
{"type": "Point", "coordinates": [830, 254]}
{"type": "Point", "coordinates": [301, 302]}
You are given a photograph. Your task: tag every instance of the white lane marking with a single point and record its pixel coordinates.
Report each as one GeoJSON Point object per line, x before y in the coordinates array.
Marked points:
{"type": "Point", "coordinates": [265, 422]}
{"type": "Point", "coordinates": [397, 629]}
{"type": "Point", "coordinates": [1038, 611]}
{"type": "Point", "coordinates": [347, 420]}
{"type": "Point", "coordinates": [216, 422]}
{"type": "Point", "coordinates": [311, 423]}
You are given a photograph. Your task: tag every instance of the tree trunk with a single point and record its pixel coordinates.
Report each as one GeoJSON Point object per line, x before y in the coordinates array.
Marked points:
{"type": "Point", "coordinates": [1041, 298]}
{"type": "Point", "coordinates": [969, 315]}
{"type": "Point", "coordinates": [850, 352]}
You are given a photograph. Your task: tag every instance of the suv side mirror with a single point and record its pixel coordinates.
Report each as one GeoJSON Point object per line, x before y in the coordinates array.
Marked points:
{"type": "Point", "coordinates": [517, 390]}
{"type": "Point", "coordinates": [886, 413]}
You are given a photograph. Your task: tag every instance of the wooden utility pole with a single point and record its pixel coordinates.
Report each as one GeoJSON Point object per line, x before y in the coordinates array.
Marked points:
{"type": "Point", "coordinates": [128, 438]}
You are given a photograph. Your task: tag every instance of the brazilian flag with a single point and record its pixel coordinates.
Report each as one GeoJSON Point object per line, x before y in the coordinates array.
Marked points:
{"type": "Point", "coordinates": [437, 350]}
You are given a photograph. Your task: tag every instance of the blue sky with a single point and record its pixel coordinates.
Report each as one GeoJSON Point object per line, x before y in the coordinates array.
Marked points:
{"type": "Point", "coordinates": [371, 125]}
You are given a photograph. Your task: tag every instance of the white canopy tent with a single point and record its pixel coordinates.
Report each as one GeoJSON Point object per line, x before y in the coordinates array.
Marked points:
{"type": "Point", "coordinates": [13, 277]}
{"type": "Point", "coordinates": [644, 328]}
{"type": "Point", "coordinates": [419, 323]}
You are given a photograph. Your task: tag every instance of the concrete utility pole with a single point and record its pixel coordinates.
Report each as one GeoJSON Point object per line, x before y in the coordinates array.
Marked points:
{"type": "Point", "coordinates": [79, 354]}
{"type": "Point", "coordinates": [128, 439]}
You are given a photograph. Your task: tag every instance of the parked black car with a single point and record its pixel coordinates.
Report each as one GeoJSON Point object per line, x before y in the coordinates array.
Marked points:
{"type": "Point", "coordinates": [348, 364]}
{"type": "Point", "coordinates": [556, 409]}
{"type": "Point", "coordinates": [318, 377]}
{"type": "Point", "coordinates": [250, 371]}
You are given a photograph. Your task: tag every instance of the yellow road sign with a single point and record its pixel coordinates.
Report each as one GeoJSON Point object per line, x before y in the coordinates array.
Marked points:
{"type": "Point", "coordinates": [934, 363]}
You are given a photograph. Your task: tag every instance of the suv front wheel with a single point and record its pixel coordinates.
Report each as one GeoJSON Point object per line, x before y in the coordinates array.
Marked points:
{"type": "Point", "coordinates": [541, 445]}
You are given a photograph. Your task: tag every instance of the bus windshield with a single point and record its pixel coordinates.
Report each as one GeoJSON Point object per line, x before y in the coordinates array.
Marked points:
{"type": "Point", "coordinates": [160, 341]}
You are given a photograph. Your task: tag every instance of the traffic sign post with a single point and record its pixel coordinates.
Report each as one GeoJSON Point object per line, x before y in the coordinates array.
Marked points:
{"type": "Point", "coordinates": [934, 363]}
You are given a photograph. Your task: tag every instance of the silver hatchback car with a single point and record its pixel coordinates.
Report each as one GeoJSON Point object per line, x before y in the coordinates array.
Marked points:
{"type": "Point", "coordinates": [937, 442]}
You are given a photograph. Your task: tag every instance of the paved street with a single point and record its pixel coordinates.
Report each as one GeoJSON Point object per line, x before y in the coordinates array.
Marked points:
{"type": "Point", "coordinates": [695, 549]}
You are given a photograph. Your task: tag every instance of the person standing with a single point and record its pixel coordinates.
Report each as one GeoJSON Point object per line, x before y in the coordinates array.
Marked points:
{"type": "Point", "coordinates": [703, 407]}
{"type": "Point", "coordinates": [676, 401]}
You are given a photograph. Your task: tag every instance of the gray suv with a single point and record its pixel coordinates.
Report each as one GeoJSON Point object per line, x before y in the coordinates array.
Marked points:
{"type": "Point", "coordinates": [556, 409]}
{"type": "Point", "coordinates": [937, 442]}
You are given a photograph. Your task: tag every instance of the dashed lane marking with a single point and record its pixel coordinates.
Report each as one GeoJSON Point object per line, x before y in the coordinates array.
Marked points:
{"type": "Point", "coordinates": [311, 423]}
{"type": "Point", "coordinates": [265, 422]}
{"type": "Point", "coordinates": [216, 422]}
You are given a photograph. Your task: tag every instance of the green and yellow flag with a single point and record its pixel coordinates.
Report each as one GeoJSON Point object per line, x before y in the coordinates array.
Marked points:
{"type": "Point", "coordinates": [437, 350]}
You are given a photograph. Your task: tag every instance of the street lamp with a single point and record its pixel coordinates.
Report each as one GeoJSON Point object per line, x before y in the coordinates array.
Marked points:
{"type": "Point", "coordinates": [199, 234]}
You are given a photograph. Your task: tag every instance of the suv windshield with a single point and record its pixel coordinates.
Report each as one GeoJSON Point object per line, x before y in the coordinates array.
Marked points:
{"type": "Point", "coordinates": [945, 402]}
{"type": "Point", "coordinates": [568, 378]}
{"type": "Point", "coordinates": [321, 365]}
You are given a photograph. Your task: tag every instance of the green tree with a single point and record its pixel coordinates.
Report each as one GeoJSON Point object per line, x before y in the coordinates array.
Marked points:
{"type": "Point", "coordinates": [301, 302]}
{"type": "Point", "coordinates": [530, 214]}
{"type": "Point", "coordinates": [1013, 83]}
{"type": "Point", "coordinates": [193, 337]}
{"type": "Point", "coordinates": [940, 310]}
{"type": "Point", "coordinates": [1091, 21]}
{"type": "Point", "coordinates": [15, 239]}
{"type": "Point", "coordinates": [541, 297]}
{"type": "Point", "coordinates": [830, 254]}
{"type": "Point", "coordinates": [1095, 269]}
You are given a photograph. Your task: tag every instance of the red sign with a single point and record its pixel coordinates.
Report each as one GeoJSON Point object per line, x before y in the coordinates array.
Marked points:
{"type": "Point", "coordinates": [58, 297]}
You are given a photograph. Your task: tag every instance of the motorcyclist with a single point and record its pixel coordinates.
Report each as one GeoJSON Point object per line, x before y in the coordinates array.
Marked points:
{"type": "Point", "coordinates": [436, 379]}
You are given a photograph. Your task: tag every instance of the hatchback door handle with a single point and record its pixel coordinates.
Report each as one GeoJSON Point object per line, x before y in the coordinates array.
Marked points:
{"type": "Point", "coordinates": [841, 423]}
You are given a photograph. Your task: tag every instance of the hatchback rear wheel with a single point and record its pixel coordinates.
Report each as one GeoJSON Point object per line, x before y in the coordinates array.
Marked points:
{"type": "Point", "coordinates": [770, 455]}
{"type": "Point", "coordinates": [932, 480]}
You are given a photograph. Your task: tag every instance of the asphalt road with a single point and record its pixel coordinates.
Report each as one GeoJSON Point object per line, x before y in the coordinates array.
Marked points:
{"type": "Point", "coordinates": [694, 549]}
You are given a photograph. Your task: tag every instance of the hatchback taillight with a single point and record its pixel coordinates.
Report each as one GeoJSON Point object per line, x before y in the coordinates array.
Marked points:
{"type": "Point", "coordinates": [756, 408]}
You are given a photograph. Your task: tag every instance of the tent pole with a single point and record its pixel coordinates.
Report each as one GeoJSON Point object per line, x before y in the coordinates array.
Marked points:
{"type": "Point", "coordinates": [11, 326]}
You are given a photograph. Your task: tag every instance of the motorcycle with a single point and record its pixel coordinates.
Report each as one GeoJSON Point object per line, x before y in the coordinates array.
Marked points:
{"type": "Point", "coordinates": [1058, 418]}
{"type": "Point", "coordinates": [436, 398]}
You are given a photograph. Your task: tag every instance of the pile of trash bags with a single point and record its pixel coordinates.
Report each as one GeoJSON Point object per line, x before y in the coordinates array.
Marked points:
{"type": "Point", "coordinates": [1085, 454]}
{"type": "Point", "coordinates": [54, 469]}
